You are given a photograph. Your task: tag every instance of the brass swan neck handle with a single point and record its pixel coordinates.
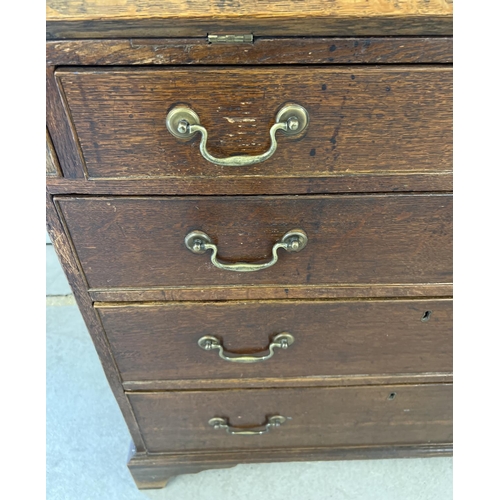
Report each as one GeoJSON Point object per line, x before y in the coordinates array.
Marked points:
{"type": "Point", "coordinates": [280, 341]}
{"type": "Point", "coordinates": [199, 242]}
{"type": "Point", "coordinates": [223, 423]}
{"type": "Point", "coordinates": [184, 123]}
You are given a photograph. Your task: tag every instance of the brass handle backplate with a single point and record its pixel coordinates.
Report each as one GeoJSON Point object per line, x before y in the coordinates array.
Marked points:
{"type": "Point", "coordinates": [184, 123]}
{"type": "Point", "coordinates": [279, 341]}
{"type": "Point", "coordinates": [199, 242]}
{"type": "Point", "coordinates": [223, 423]}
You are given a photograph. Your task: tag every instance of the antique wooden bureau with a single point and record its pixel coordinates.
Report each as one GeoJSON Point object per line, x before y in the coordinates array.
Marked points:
{"type": "Point", "coordinates": [252, 203]}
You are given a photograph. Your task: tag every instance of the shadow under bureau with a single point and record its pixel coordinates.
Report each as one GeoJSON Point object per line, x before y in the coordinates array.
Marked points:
{"type": "Point", "coordinates": [257, 223]}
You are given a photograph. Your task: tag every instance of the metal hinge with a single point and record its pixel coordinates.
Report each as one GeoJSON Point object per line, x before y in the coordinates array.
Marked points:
{"type": "Point", "coordinates": [230, 38]}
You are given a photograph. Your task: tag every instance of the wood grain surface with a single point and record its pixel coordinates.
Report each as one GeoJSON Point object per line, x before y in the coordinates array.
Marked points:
{"type": "Point", "coordinates": [280, 382]}
{"type": "Point", "coordinates": [282, 50]}
{"type": "Point", "coordinates": [366, 377]}
{"type": "Point", "coordinates": [76, 279]}
{"type": "Point", "coordinates": [263, 292]}
{"type": "Point", "coordinates": [332, 338]}
{"type": "Point", "coordinates": [119, 18]}
{"type": "Point", "coordinates": [362, 119]}
{"type": "Point", "coordinates": [365, 239]}
{"type": "Point", "coordinates": [340, 416]}
{"type": "Point", "coordinates": [61, 131]}
{"type": "Point", "coordinates": [87, 10]}
{"type": "Point", "coordinates": [250, 185]}
{"type": "Point", "coordinates": [52, 168]}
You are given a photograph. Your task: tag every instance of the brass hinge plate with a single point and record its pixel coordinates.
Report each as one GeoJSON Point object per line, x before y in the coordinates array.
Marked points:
{"type": "Point", "coordinates": [230, 38]}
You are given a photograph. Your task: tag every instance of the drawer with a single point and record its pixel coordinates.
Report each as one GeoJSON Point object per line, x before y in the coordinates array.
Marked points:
{"type": "Point", "coordinates": [328, 338]}
{"type": "Point", "coordinates": [313, 417]}
{"type": "Point", "coordinates": [132, 242]}
{"type": "Point", "coordinates": [362, 120]}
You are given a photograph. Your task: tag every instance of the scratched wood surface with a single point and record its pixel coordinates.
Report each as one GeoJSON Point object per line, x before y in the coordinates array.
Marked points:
{"type": "Point", "coordinates": [78, 285]}
{"type": "Point", "coordinates": [368, 377]}
{"type": "Point", "coordinates": [52, 168]}
{"type": "Point", "coordinates": [119, 18]}
{"type": "Point", "coordinates": [362, 119]}
{"type": "Point", "coordinates": [339, 416]}
{"type": "Point", "coordinates": [272, 292]}
{"type": "Point", "coordinates": [60, 130]}
{"type": "Point", "coordinates": [365, 239]}
{"type": "Point", "coordinates": [332, 338]}
{"type": "Point", "coordinates": [250, 185]}
{"type": "Point", "coordinates": [281, 50]}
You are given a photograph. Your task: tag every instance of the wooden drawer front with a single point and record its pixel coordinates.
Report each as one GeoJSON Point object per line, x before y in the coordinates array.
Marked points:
{"type": "Point", "coordinates": [341, 416]}
{"type": "Point", "coordinates": [330, 338]}
{"type": "Point", "coordinates": [362, 119]}
{"type": "Point", "coordinates": [138, 242]}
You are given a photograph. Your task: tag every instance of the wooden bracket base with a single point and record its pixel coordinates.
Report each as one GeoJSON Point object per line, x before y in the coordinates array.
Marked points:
{"type": "Point", "coordinates": [154, 471]}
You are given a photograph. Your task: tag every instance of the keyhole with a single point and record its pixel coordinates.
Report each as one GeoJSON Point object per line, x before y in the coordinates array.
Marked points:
{"type": "Point", "coordinates": [426, 316]}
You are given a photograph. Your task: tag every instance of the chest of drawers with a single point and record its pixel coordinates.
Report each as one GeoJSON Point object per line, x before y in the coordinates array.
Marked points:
{"type": "Point", "coordinates": [257, 223]}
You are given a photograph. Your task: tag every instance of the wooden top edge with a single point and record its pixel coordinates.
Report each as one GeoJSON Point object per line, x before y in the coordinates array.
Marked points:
{"type": "Point", "coordinates": [271, 70]}
{"type": "Point", "coordinates": [92, 10]}
{"type": "Point", "coordinates": [118, 18]}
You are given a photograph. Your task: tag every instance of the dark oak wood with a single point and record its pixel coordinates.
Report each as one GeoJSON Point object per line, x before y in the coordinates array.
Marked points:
{"type": "Point", "coordinates": [252, 184]}
{"type": "Point", "coordinates": [282, 382]}
{"type": "Point", "coordinates": [353, 239]}
{"type": "Point", "coordinates": [160, 341]}
{"type": "Point", "coordinates": [79, 287]}
{"type": "Point", "coordinates": [263, 292]}
{"type": "Point", "coordinates": [324, 27]}
{"type": "Point", "coordinates": [157, 18]}
{"type": "Point", "coordinates": [370, 182]}
{"type": "Point", "coordinates": [61, 131]}
{"type": "Point", "coordinates": [153, 471]}
{"type": "Point", "coordinates": [322, 417]}
{"type": "Point", "coordinates": [282, 50]}
{"type": "Point", "coordinates": [384, 120]}
{"type": "Point", "coordinates": [52, 168]}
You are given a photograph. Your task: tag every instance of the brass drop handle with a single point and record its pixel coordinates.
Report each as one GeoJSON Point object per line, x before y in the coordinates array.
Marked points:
{"type": "Point", "coordinates": [199, 242]}
{"type": "Point", "coordinates": [223, 423]}
{"type": "Point", "coordinates": [184, 123]}
{"type": "Point", "coordinates": [279, 341]}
